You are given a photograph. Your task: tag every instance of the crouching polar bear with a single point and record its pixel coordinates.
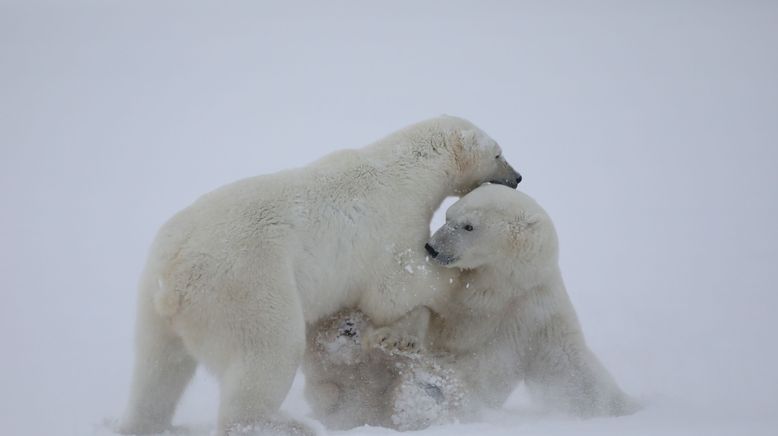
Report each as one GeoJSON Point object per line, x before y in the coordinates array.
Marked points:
{"type": "Point", "coordinates": [506, 318]}
{"type": "Point", "coordinates": [232, 280]}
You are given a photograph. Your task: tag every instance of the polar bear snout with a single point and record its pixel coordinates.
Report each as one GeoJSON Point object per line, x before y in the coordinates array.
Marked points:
{"type": "Point", "coordinates": [431, 250]}
{"type": "Point", "coordinates": [445, 260]}
{"type": "Point", "coordinates": [441, 258]}
{"type": "Point", "coordinates": [507, 176]}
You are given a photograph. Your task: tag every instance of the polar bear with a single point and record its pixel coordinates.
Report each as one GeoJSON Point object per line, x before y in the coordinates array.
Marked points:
{"type": "Point", "coordinates": [506, 319]}
{"type": "Point", "coordinates": [232, 280]}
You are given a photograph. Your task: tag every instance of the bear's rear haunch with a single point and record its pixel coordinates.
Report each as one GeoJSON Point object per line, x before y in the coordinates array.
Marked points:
{"type": "Point", "coordinates": [232, 280]}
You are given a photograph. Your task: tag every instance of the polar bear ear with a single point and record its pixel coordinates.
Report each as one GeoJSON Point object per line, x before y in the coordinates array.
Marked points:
{"type": "Point", "coordinates": [524, 221]}
{"type": "Point", "coordinates": [470, 139]}
{"type": "Point", "coordinates": [532, 219]}
{"type": "Point", "coordinates": [457, 140]}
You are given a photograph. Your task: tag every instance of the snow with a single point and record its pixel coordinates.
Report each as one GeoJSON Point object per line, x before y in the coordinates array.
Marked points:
{"type": "Point", "coordinates": [647, 130]}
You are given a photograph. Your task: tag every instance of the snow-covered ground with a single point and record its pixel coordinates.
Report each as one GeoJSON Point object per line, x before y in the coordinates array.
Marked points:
{"type": "Point", "coordinates": [648, 130]}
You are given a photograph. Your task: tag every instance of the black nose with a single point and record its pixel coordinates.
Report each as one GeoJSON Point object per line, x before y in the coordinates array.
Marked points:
{"type": "Point", "coordinates": [431, 250]}
{"type": "Point", "coordinates": [518, 178]}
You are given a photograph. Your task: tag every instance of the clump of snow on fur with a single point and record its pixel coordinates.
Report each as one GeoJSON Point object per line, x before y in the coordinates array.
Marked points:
{"type": "Point", "coordinates": [407, 260]}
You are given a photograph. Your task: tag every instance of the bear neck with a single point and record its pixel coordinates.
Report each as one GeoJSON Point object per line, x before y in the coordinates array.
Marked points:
{"type": "Point", "coordinates": [420, 171]}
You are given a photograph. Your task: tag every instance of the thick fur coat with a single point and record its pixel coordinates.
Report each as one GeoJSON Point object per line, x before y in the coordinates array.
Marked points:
{"type": "Point", "coordinates": [232, 280]}
{"type": "Point", "coordinates": [506, 318]}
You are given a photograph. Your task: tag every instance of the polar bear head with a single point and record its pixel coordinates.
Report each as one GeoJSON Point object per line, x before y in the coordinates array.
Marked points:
{"type": "Point", "coordinates": [475, 157]}
{"type": "Point", "coordinates": [494, 225]}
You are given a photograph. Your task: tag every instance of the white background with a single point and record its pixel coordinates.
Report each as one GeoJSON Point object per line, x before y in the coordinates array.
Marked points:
{"type": "Point", "coordinates": [648, 130]}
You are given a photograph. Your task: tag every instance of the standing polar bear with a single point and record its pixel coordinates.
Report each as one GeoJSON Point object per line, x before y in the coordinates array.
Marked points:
{"type": "Point", "coordinates": [507, 318]}
{"type": "Point", "coordinates": [232, 280]}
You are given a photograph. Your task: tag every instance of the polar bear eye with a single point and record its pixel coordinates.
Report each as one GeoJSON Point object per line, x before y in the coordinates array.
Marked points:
{"type": "Point", "coordinates": [498, 156]}
{"type": "Point", "coordinates": [468, 227]}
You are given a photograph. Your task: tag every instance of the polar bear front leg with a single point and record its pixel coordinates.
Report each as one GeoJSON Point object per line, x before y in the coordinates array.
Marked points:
{"type": "Point", "coordinates": [254, 340]}
{"type": "Point", "coordinates": [565, 374]}
{"type": "Point", "coordinates": [252, 390]}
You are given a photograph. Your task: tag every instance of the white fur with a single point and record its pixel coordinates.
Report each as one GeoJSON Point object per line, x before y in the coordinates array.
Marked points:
{"type": "Point", "coordinates": [507, 318]}
{"type": "Point", "coordinates": [232, 280]}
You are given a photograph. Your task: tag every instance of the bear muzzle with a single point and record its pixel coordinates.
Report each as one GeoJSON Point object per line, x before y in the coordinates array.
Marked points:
{"type": "Point", "coordinates": [508, 177]}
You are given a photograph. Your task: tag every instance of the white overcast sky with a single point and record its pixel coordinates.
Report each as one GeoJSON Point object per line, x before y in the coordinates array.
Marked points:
{"type": "Point", "coordinates": [648, 130]}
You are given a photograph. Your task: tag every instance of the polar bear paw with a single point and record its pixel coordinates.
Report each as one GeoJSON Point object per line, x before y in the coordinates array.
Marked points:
{"type": "Point", "coordinates": [392, 341]}
{"type": "Point", "coordinates": [426, 394]}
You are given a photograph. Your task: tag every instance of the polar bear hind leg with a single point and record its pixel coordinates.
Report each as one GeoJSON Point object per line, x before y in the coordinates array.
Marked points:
{"type": "Point", "coordinates": [163, 368]}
